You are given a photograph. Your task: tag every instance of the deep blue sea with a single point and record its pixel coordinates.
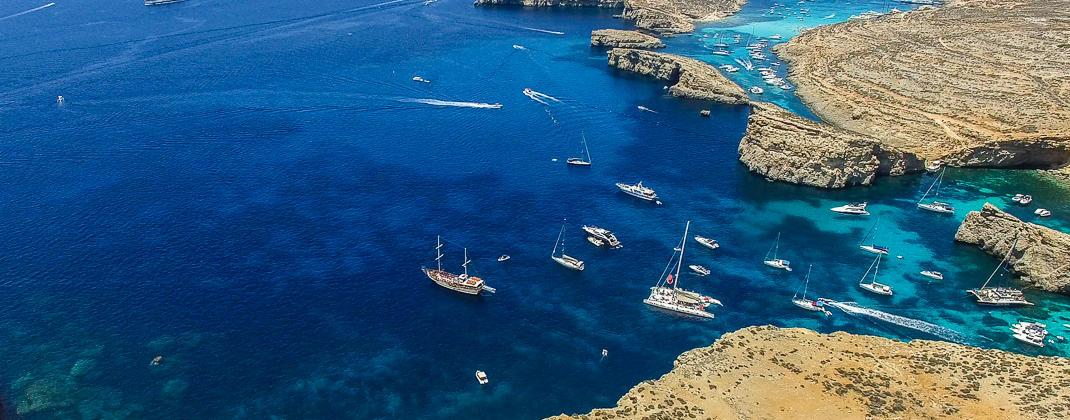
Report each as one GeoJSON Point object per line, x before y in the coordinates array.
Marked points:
{"type": "Point", "coordinates": [249, 189]}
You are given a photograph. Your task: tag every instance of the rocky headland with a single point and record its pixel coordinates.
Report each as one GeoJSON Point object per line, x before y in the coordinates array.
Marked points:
{"type": "Point", "coordinates": [661, 16]}
{"type": "Point", "coordinates": [768, 372]}
{"type": "Point", "coordinates": [782, 146]}
{"type": "Point", "coordinates": [974, 83]}
{"type": "Point", "coordinates": [616, 38]}
{"type": "Point", "coordinates": [688, 78]}
{"type": "Point", "coordinates": [1041, 257]}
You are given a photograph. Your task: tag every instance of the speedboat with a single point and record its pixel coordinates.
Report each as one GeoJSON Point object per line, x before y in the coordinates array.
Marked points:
{"type": "Point", "coordinates": [420, 79]}
{"type": "Point", "coordinates": [481, 376]}
{"type": "Point", "coordinates": [637, 190]}
{"type": "Point", "coordinates": [595, 241]}
{"type": "Point", "coordinates": [875, 249]}
{"type": "Point", "coordinates": [779, 263]}
{"type": "Point", "coordinates": [700, 270]}
{"type": "Point", "coordinates": [1042, 212]}
{"type": "Point", "coordinates": [852, 208]}
{"type": "Point", "coordinates": [504, 258]}
{"type": "Point", "coordinates": [1023, 199]}
{"type": "Point", "coordinates": [707, 242]}
{"type": "Point", "coordinates": [935, 275]}
{"type": "Point", "coordinates": [756, 90]}
{"type": "Point", "coordinates": [604, 235]}
{"type": "Point", "coordinates": [720, 52]}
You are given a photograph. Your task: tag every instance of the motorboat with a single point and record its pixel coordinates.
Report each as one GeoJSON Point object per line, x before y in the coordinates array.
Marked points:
{"type": "Point", "coordinates": [934, 166]}
{"type": "Point", "coordinates": [1023, 199]}
{"type": "Point", "coordinates": [604, 235]}
{"type": "Point", "coordinates": [504, 258]}
{"type": "Point", "coordinates": [873, 285]}
{"type": "Point", "coordinates": [638, 190]}
{"type": "Point", "coordinates": [852, 208]}
{"type": "Point", "coordinates": [707, 242]}
{"type": "Point", "coordinates": [667, 294]}
{"type": "Point", "coordinates": [481, 377]}
{"type": "Point", "coordinates": [463, 283]}
{"type": "Point", "coordinates": [1042, 212]}
{"type": "Point", "coordinates": [756, 90]}
{"type": "Point", "coordinates": [775, 262]}
{"type": "Point", "coordinates": [935, 275]}
{"type": "Point", "coordinates": [720, 52]}
{"type": "Point", "coordinates": [420, 79]}
{"type": "Point", "coordinates": [700, 270]}
{"type": "Point", "coordinates": [595, 241]}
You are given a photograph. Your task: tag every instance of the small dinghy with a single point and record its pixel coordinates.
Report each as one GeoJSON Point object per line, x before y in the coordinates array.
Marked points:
{"type": "Point", "coordinates": [935, 275]}
{"type": "Point", "coordinates": [700, 270]}
{"type": "Point", "coordinates": [595, 241]}
{"type": "Point", "coordinates": [504, 258]}
{"type": "Point", "coordinates": [1042, 212]}
{"type": "Point", "coordinates": [481, 376]}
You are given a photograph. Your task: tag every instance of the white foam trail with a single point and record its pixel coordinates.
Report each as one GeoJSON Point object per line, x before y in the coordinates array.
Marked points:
{"type": "Point", "coordinates": [902, 321]}
{"type": "Point", "coordinates": [545, 31]}
{"type": "Point", "coordinates": [461, 104]}
{"type": "Point", "coordinates": [28, 11]}
{"type": "Point", "coordinates": [540, 97]}
{"type": "Point", "coordinates": [643, 108]}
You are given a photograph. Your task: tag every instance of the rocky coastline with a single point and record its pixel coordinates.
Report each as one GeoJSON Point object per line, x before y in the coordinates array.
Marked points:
{"type": "Point", "coordinates": [616, 38]}
{"type": "Point", "coordinates": [782, 146]}
{"type": "Point", "coordinates": [769, 372]}
{"type": "Point", "coordinates": [660, 16]}
{"type": "Point", "coordinates": [688, 78]}
{"type": "Point", "coordinates": [1041, 256]}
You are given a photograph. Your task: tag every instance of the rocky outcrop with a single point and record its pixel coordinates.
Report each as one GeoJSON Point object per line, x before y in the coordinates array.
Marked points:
{"type": "Point", "coordinates": [782, 146]}
{"type": "Point", "coordinates": [1041, 256]}
{"type": "Point", "coordinates": [616, 38]}
{"type": "Point", "coordinates": [794, 373]}
{"type": "Point", "coordinates": [974, 83]}
{"type": "Point", "coordinates": [553, 3]}
{"type": "Point", "coordinates": [689, 78]}
{"type": "Point", "coordinates": [661, 16]}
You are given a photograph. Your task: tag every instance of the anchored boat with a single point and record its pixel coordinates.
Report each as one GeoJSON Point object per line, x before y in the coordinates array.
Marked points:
{"type": "Point", "coordinates": [666, 293]}
{"type": "Point", "coordinates": [638, 190]}
{"type": "Point", "coordinates": [707, 242]}
{"type": "Point", "coordinates": [852, 208]}
{"type": "Point", "coordinates": [463, 283]}
{"type": "Point", "coordinates": [564, 259]}
{"type": "Point", "coordinates": [873, 286]}
{"type": "Point", "coordinates": [776, 262]}
{"type": "Point", "coordinates": [808, 304]}
{"type": "Point", "coordinates": [999, 296]}
{"type": "Point", "coordinates": [607, 237]}
{"type": "Point", "coordinates": [936, 206]}
{"type": "Point", "coordinates": [575, 161]}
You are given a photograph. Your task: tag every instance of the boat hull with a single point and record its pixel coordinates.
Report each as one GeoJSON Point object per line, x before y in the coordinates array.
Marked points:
{"type": "Point", "coordinates": [564, 262]}
{"type": "Point", "coordinates": [777, 264]}
{"type": "Point", "coordinates": [677, 308]}
{"type": "Point", "coordinates": [982, 300]}
{"type": "Point", "coordinates": [873, 250]}
{"type": "Point", "coordinates": [443, 279]}
{"type": "Point", "coordinates": [876, 288]}
{"type": "Point", "coordinates": [936, 209]}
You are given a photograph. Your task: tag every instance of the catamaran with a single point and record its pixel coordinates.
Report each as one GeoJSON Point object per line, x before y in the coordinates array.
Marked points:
{"type": "Point", "coordinates": [936, 206]}
{"type": "Point", "coordinates": [852, 208]}
{"type": "Point", "coordinates": [707, 242]}
{"type": "Point", "coordinates": [808, 304]}
{"type": "Point", "coordinates": [457, 282]}
{"type": "Point", "coordinates": [666, 293]}
{"type": "Point", "coordinates": [604, 235]}
{"type": "Point", "coordinates": [999, 296]}
{"type": "Point", "coordinates": [872, 248]}
{"type": "Point", "coordinates": [575, 161]}
{"type": "Point", "coordinates": [564, 259]}
{"type": "Point", "coordinates": [776, 262]}
{"type": "Point", "coordinates": [873, 286]}
{"type": "Point", "coordinates": [1030, 333]}
{"type": "Point", "coordinates": [637, 190]}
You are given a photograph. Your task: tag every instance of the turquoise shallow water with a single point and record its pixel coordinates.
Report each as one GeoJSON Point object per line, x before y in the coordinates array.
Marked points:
{"type": "Point", "coordinates": [251, 191]}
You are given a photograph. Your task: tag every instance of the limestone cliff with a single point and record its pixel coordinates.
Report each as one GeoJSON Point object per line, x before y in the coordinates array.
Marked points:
{"type": "Point", "coordinates": [689, 78]}
{"type": "Point", "coordinates": [615, 38]}
{"type": "Point", "coordinates": [662, 16]}
{"type": "Point", "coordinates": [975, 83]}
{"type": "Point", "coordinates": [785, 147]}
{"type": "Point", "coordinates": [553, 3]}
{"type": "Point", "coordinates": [1042, 256]}
{"type": "Point", "coordinates": [766, 373]}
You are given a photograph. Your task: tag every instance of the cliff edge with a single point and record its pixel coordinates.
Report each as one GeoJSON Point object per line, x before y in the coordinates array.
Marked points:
{"type": "Point", "coordinates": [616, 38]}
{"type": "Point", "coordinates": [661, 16]}
{"type": "Point", "coordinates": [690, 78]}
{"type": "Point", "coordinates": [793, 373]}
{"type": "Point", "coordinates": [1042, 256]}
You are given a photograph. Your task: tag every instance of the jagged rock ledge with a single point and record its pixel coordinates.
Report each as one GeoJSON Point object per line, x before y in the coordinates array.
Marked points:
{"type": "Point", "coordinates": [611, 4]}
{"type": "Point", "coordinates": [616, 38]}
{"type": "Point", "coordinates": [767, 372]}
{"type": "Point", "coordinates": [1042, 256]}
{"type": "Point", "coordinates": [786, 147]}
{"type": "Point", "coordinates": [690, 78]}
{"type": "Point", "coordinates": [661, 16]}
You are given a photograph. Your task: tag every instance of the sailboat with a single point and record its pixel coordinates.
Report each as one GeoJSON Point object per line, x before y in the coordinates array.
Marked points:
{"type": "Point", "coordinates": [457, 282]}
{"type": "Point", "coordinates": [873, 286]}
{"type": "Point", "coordinates": [872, 248]}
{"type": "Point", "coordinates": [808, 304]}
{"type": "Point", "coordinates": [999, 296]}
{"type": "Point", "coordinates": [575, 161]}
{"type": "Point", "coordinates": [936, 206]}
{"type": "Point", "coordinates": [776, 262]}
{"type": "Point", "coordinates": [563, 259]}
{"type": "Point", "coordinates": [667, 294]}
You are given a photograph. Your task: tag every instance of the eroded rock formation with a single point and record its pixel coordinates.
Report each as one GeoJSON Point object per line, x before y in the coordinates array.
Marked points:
{"type": "Point", "coordinates": [1041, 257]}
{"type": "Point", "coordinates": [786, 147]}
{"type": "Point", "coordinates": [689, 78]}
{"type": "Point", "coordinates": [662, 16]}
{"type": "Point", "coordinates": [794, 373]}
{"type": "Point", "coordinates": [615, 38]}
{"type": "Point", "coordinates": [553, 3]}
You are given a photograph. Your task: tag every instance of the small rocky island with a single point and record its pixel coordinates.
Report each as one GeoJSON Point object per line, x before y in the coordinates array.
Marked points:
{"type": "Point", "coordinates": [660, 16]}
{"type": "Point", "coordinates": [768, 372]}
{"type": "Point", "coordinates": [616, 38]}
{"type": "Point", "coordinates": [782, 146]}
{"type": "Point", "coordinates": [1041, 257]}
{"type": "Point", "coordinates": [689, 78]}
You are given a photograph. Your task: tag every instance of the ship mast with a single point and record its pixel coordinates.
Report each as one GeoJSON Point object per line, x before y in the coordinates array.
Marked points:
{"type": "Point", "coordinates": [1005, 258]}
{"type": "Point", "coordinates": [466, 261]}
{"type": "Point", "coordinates": [438, 251]}
{"type": "Point", "coordinates": [680, 263]}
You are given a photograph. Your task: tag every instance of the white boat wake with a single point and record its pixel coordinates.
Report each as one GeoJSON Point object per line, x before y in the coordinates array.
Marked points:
{"type": "Point", "coordinates": [540, 97]}
{"type": "Point", "coordinates": [28, 11]}
{"type": "Point", "coordinates": [902, 321]}
{"type": "Point", "coordinates": [545, 31]}
{"type": "Point", "coordinates": [460, 104]}
{"type": "Point", "coordinates": [643, 108]}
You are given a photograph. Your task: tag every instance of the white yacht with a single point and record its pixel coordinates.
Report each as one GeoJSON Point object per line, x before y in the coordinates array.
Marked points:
{"type": "Point", "coordinates": [564, 259]}
{"type": "Point", "coordinates": [638, 190]}
{"type": "Point", "coordinates": [604, 235]}
{"type": "Point", "coordinates": [504, 258]}
{"type": "Point", "coordinates": [1042, 212]}
{"type": "Point", "coordinates": [469, 285]}
{"type": "Point", "coordinates": [936, 206]}
{"type": "Point", "coordinates": [774, 261]}
{"type": "Point", "coordinates": [852, 208]}
{"type": "Point", "coordinates": [420, 79]}
{"type": "Point", "coordinates": [1032, 333]}
{"type": "Point", "coordinates": [935, 275]}
{"type": "Point", "coordinates": [1023, 199]}
{"type": "Point", "coordinates": [808, 304]}
{"type": "Point", "coordinates": [576, 161]}
{"type": "Point", "coordinates": [873, 286]}
{"type": "Point", "coordinates": [666, 293]}
{"type": "Point", "coordinates": [707, 242]}
{"type": "Point", "coordinates": [756, 90]}
{"type": "Point", "coordinates": [999, 296]}
{"type": "Point", "coordinates": [700, 270]}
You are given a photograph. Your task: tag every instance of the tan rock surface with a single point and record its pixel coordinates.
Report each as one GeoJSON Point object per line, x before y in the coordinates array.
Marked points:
{"type": "Point", "coordinates": [977, 83]}
{"type": "Point", "coordinates": [662, 16]}
{"type": "Point", "coordinates": [614, 38]}
{"type": "Point", "coordinates": [786, 147]}
{"type": "Point", "coordinates": [690, 78]}
{"type": "Point", "coordinates": [1042, 256]}
{"type": "Point", "coordinates": [766, 372]}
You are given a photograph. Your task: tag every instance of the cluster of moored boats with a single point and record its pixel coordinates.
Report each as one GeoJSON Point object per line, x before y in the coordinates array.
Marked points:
{"type": "Point", "coordinates": [1033, 333]}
